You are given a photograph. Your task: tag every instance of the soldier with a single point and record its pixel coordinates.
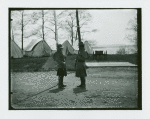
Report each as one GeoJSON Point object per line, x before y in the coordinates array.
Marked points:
{"type": "Point", "coordinates": [60, 59]}
{"type": "Point", "coordinates": [80, 64]}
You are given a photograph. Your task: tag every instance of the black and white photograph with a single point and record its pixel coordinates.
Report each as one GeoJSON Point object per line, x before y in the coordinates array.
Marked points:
{"type": "Point", "coordinates": [75, 59]}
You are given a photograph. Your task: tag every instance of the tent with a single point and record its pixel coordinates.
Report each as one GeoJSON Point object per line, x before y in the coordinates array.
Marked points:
{"type": "Point", "coordinates": [68, 49]}
{"type": "Point", "coordinates": [88, 48]}
{"type": "Point", "coordinates": [37, 48]}
{"type": "Point", "coordinates": [16, 52]}
{"type": "Point", "coordinates": [76, 47]}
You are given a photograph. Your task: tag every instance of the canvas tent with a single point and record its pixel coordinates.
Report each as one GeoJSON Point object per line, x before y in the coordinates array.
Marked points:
{"type": "Point", "coordinates": [16, 52]}
{"type": "Point", "coordinates": [88, 48]}
{"type": "Point", "coordinates": [67, 48]}
{"type": "Point", "coordinates": [38, 48]}
{"type": "Point", "coordinates": [76, 47]}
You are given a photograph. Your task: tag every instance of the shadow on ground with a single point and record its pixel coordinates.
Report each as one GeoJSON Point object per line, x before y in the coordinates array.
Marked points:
{"type": "Point", "coordinates": [56, 90]}
{"type": "Point", "coordinates": [79, 90]}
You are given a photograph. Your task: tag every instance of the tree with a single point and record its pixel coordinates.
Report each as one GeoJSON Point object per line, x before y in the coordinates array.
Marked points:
{"type": "Point", "coordinates": [54, 23]}
{"type": "Point", "coordinates": [70, 24]}
{"type": "Point", "coordinates": [132, 28]}
{"type": "Point", "coordinates": [39, 18]}
{"type": "Point", "coordinates": [20, 20]}
{"type": "Point", "coordinates": [121, 51]}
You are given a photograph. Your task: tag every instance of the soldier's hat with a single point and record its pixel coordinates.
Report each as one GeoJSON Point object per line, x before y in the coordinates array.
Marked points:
{"type": "Point", "coordinates": [81, 44]}
{"type": "Point", "coordinates": [59, 46]}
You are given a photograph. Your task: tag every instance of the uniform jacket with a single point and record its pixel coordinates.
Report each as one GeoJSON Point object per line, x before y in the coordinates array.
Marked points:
{"type": "Point", "coordinates": [60, 59]}
{"type": "Point", "coordinates": [81, 57]}
{"type": "Point", "coordinates": [80, 64]}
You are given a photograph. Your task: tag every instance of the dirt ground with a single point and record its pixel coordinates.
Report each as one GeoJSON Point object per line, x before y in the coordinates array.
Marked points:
{"type": "Point", "coordinates": [107, 87]}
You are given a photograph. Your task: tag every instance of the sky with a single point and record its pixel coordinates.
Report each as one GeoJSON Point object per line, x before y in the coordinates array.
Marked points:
{"type": "Point", "coordinates": [111, 27]}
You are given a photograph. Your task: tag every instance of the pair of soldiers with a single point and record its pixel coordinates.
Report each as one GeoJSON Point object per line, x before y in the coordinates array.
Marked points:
{"type": "Point", "coordinates": [80, 65]}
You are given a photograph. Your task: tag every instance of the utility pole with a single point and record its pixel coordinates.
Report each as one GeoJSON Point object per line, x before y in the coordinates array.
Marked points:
{"type": "Point", "coordinates": [78, 26]}
{"type": "Point", "coordinates": [43, 24]}
{"type": "Point", "coordinates": [22, 31]}
{"type": "Point", "coordinates": [56, 34]}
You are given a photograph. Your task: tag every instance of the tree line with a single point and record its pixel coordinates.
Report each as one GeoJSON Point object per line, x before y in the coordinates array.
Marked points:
{"type": "Point", "coordinates": [46, 24]}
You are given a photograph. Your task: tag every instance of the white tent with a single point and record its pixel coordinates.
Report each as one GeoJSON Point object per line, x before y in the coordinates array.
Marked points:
{"type": "Point", "coordinates": [88, 48]}
{"type": "Point", "coordinates": [75, 46]}
{"type": "Point", "coordinates": [67, 48]}
{"type": "Point", "coordinates": [37, 48]}
{"type": "Point", "coordinates": [16, 52]}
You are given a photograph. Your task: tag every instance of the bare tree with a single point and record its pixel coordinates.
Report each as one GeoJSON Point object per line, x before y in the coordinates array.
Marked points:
{"type": "Point", "coordinates": [121, 51]}
{"type": "Point", "coordinates": [40, 20]}
{"type": "Point", "coordinates": [21, 20]}
{"type": "Point", "coordinates": [70, 24]}
{"type": "Point", "coordinates": [54, 23]}
{"type": "Point", "coordinates": [132, 28]}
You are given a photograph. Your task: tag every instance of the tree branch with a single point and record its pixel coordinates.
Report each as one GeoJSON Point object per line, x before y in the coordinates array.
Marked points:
{"type": "Point", "coordinates": [52, 23]}
{"type": "Point", "coordinates": [83, 24]}
{"type": "Point", "coordinates": [50, 29]}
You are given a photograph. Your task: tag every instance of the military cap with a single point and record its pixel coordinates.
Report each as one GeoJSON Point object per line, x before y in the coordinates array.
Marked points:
{"type": "Point", "coordinates": [81, 44]}
{"type": "Point", "coordinates": [59, 46]}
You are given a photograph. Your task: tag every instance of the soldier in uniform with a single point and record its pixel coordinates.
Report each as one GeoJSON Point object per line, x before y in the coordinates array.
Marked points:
{"type": "Point", "coordinates": [80, 65]}
{"type": "Point", "coordinates": [60, 59]}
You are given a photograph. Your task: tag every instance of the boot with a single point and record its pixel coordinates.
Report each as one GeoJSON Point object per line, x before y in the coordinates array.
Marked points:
{"type": "Point", "coordinates": [81, 83]}
{"type": "Point", "coordinates": [62, 82]}
{"type": "Point", "coordinates": [59, 82]}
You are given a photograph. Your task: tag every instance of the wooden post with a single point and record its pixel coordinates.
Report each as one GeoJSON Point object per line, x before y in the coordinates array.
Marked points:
{"type": "Point", "coordinates": [78, 27]}
{"type": "Point", "coordinates": [56, 33]}
{"type": "Point", "coordinates": [93, 55]}
{"type": "Point", "coordinates": [43, 24]}
{"type": "Point", "coordinates": [22, 31]}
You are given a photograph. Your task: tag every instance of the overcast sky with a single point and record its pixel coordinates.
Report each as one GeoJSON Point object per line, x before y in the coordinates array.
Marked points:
{"type": "Point", "coordinates": [111, 25]}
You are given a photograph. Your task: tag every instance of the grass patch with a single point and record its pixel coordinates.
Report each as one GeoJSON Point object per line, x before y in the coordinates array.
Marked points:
{"type": "Point", "coordinates": [27, 64]}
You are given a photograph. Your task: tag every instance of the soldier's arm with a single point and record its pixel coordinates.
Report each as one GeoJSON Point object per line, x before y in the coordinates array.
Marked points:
{"type": "Point", "coordinates": [57, 59]}
{"type": "Point", "coordinates": [65, 58]}
{"type": "Point", "coordinates": [53, 56]}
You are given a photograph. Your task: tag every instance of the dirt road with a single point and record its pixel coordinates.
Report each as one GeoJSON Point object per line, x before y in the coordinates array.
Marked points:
{"type": "Point", "coordinates": [107, 87]}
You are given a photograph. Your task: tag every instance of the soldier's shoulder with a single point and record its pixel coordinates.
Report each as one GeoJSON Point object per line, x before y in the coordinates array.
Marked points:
{"type": "Point", "coordinates": [84, 52]}
{"type": "Point", "coordinates": [55, 53]}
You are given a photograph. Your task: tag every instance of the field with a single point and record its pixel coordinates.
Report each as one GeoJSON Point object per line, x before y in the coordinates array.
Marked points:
{"type": "Point", "coordinates": [27, 64]}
